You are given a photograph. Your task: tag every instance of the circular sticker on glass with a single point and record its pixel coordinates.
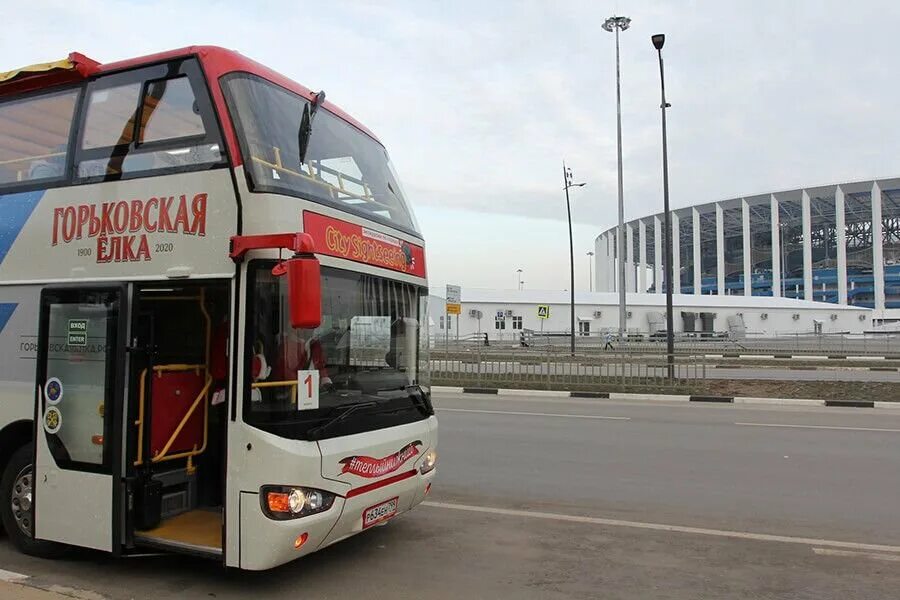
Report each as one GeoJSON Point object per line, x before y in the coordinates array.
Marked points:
{"type": "Point", "coordinates": [53, 390]}
{"type": "Point", "coordinates": [52, 420]}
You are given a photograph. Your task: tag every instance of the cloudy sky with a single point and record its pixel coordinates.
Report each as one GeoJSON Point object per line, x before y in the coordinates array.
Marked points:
{"type": "Point", "coordinates": [479, 102]}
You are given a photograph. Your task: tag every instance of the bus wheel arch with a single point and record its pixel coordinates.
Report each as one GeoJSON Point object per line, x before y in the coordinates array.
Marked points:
{"type": "Point", "coordinates": [12, 437]}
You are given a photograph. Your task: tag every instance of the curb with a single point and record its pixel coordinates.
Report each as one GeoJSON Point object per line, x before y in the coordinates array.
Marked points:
{"type": "Point", "coordinates": [720, 399]}
{"type": "Point", "coordinates": [851, 403]}
{"type": "Point", "coordinates": [804, 368]}
{"type": "Point", "coordinates": [670, 397]}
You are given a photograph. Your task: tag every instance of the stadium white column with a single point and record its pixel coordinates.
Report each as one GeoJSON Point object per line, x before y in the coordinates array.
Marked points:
{"type": "Point", "coordinates": [720, 250]}
{"type": "Point", "coordinates": [676, 253]}
{"type": "Point", "coordinates": [776, 246]}
{"type": "Point", "coordinates": [601, 263]}
{"type": "Point", "coordinates": [807, 247]}
{"type": "Point", "coordinates": [748, 265]}
{"type": "Point", "coordinates": [697, 266]}
{"type": "Point", "coordinates": [877, 249]}
{"type": "Point", "coordinates": [657, 256]}
{"type": "Point", "coordinates": [629, 255]}
{"type": "Point", "coordinates": [840, 228]}
{"type": "Point", "coordinates": [642, 257]}
{"type": "Point", "coordinates": [614, 265]}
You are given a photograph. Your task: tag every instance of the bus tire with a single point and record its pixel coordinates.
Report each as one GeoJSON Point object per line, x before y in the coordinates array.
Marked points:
{"type": "Point", "coordinates": [16, 511]}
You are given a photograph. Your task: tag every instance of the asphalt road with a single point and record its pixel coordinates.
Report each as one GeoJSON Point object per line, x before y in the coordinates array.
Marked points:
{"type": "Point", "coordinates": [569, 498]}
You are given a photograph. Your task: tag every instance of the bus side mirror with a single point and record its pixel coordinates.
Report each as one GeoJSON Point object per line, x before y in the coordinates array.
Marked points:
{"type": "Point", "coordinates": [304, 282]}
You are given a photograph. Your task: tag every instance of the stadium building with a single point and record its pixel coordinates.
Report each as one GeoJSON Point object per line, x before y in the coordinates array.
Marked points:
{"type": "Point", "coordinates": [833, 244]}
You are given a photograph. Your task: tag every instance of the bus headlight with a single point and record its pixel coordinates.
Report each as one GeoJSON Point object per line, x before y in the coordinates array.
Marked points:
{"type": "Point", "coordinates": [429, 461]}
{"type": "Point", "coordinates": [282, 502]}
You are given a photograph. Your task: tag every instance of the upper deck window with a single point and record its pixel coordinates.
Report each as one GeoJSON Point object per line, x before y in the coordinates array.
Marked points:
{"type": "Point", "coordinates": [343, 167]}
{"type": "Point", "coordinates": [34, 137]}
{"type": "Point", "coordinates": [143, 122]}
{"type": "Point", "coordinates": [147, 120]}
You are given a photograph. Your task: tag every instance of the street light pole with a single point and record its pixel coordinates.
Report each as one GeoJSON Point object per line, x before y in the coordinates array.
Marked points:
{"type": "Point", "coordinates": [519, 272]}
{"type": "Point", "coordinates": [567, 183]}
{"type": "Point", "coordinates": [658, 41]}
{"type": "Point", "coordinates": [590, 255]}
{"type": "Point", "coordinates": [615, 24]}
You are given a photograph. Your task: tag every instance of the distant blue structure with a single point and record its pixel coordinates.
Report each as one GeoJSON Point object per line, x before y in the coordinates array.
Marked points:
{"type": "Point", "coordinates": [828, 243]}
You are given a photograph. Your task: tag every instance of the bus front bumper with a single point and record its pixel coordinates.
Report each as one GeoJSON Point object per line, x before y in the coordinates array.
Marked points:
{"type": "Point", "coordinates": [266, 543]}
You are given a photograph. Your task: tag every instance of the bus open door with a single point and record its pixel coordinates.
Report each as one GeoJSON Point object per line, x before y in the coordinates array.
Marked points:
{"type": "Point", "coordinates": [79, 398]}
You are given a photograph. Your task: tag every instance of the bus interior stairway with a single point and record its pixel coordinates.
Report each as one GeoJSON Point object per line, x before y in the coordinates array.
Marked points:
{"type": "Point", "coordinates": [178, 450]}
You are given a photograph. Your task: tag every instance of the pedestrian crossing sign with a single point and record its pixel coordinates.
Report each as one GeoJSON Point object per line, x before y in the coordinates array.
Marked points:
{"type": "Point", "coordinates": [543, 311]}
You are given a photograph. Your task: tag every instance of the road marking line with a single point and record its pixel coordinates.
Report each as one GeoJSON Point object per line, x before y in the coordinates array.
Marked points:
{"type": "Point", "coordinates": [533, 414]}
{"type": "Point", "coordinates": [852, 554]}
{"type": "Point", "coordinates": [12, 577]}
{"type": "Point", "coordinates": [819, 427]}
{"type": "Point", "coordinates": [742, 535]}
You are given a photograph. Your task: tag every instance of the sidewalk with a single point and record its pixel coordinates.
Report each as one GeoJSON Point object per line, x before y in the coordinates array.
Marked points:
{"type": "Point", "coordinates": [18, 591]}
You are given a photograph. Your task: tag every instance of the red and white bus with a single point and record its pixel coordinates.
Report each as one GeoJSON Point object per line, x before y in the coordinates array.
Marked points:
{"type": "Point", "coordinates": [213, 318]}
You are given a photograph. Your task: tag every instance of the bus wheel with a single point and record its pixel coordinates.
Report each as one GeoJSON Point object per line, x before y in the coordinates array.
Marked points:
{"type": "Point", "coordinates": [16, 509]}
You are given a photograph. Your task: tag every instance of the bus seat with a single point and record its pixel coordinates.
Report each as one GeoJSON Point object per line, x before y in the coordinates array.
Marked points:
{"type": "Point", "coordinates": [173, 393]}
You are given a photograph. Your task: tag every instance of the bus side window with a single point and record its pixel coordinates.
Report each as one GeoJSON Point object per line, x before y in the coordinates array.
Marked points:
{"type": "Point", "coordinates": [144, 125]}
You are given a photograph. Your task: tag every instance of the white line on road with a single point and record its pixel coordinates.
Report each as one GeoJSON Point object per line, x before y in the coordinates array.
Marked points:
{"type": "Point", "coordinates": [852, 554]}
{"type": "Point", "coordinates": [743, 535]}
{"type": "Point", "coordinates": [11, 577]}
{"type": "Point", "coordinates": [819, 427]}
{"type": "Point", "coordinates": [533, 414]}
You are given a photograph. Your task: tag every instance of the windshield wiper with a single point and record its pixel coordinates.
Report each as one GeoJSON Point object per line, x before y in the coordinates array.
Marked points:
{"type": "Point", "coordinates": [316, 432]}
{"type": "Point", "coordinates": [420, 399]}
{"type": "Point", "coordinates": [305, 132]}
{"type": "Point", "coordinates": [424, 400]}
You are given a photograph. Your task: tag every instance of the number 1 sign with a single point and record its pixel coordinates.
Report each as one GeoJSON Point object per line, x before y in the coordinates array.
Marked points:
{"type": "Point", "coordinates": [307, 390]}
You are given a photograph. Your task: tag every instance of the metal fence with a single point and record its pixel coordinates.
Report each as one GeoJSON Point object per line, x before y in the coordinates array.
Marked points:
{"type": "Point", "coordinates": [787, 345]}
{"type": "Point", "coordinates": [548, 367]}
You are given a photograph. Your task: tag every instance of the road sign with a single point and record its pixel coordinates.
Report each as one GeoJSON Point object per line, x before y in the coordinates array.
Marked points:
{"type": "Point", "coordinates": [454, 292]}
{"type": "Point", "coordinates": [543, 311]}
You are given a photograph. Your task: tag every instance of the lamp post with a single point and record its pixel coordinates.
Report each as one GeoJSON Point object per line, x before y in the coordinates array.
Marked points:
{"type": "Point", "coordinates": [616, 24]}
{"type": "Point", "coordinates": [658, 40]}
{"type": "Point", "coordinates": [519, 272]}
{"type": "Point", "coordinates": [567, 183]}
{"type": "Point", "coordinates": [590, 256]}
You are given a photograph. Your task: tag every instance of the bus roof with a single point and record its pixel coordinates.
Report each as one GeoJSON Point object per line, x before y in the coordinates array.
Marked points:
{"type": "Point", "coordinates": [216, 62]}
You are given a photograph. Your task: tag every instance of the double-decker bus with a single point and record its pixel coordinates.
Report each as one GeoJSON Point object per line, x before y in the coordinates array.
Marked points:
{"type": "Point", "coordinates": [213, 318]}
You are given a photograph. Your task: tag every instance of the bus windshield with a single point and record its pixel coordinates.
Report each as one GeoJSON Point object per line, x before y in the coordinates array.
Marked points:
{"type": "Point", "coordinates": [369, 347]}
{"type": "Point", "coordinates": [343, 166]}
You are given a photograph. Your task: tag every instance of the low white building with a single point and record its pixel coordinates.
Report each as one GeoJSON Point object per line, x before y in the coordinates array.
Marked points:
{"type": "Point", "coordinates": [503, 314]}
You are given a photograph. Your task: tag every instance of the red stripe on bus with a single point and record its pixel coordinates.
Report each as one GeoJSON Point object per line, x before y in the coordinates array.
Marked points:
{"type": "Point", "coordinates": [380, 484]}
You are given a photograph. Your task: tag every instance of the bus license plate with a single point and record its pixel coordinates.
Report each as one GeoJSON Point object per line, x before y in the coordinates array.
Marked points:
{"type": "Point", "coordinates": [380, 512]}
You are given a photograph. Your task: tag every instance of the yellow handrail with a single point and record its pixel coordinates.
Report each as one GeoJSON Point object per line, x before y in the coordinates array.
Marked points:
{"type": "Point", "coordinates": [268, 384]}
{"type": "Point", "coordinates": [333, 190]}
{"type": "Point", "coordinates": [27, 158]}
{"type": "Point", "coordinates": [140, 421]}
{"type": "Point", "coordinates": [274, 384]}
{"type": "Point", "coordinates": [161, 455]}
